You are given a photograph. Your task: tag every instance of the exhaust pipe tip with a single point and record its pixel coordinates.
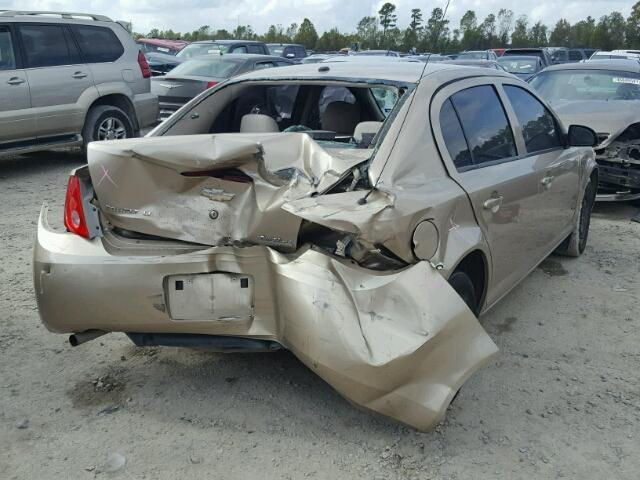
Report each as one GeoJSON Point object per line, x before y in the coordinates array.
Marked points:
{"type": "Point", "coordinates": [76, 339]}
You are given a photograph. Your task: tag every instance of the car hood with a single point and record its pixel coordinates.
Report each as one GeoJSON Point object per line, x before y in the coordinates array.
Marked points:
{"type": "Point", "coordinates": [611, 117]}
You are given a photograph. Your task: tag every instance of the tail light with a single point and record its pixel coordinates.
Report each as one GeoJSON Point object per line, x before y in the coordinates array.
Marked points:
{"type": "Point", "coordinates": [144, 65]}
{"type": "Point", "coordinates": [211, 84]}
{"type": "Point", "coordinates": [74, 218]}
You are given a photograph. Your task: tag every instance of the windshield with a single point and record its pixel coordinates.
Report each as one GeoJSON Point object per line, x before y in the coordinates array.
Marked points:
{"type": "Point", "coordinates": [208, 67]}
{"type": "Point", "coordinates": [518, 66]}
{"type": "Point", "coordinates": [197, 49]}
{"type": "Point", "coordinates": [588, 85]}
{"type": "Point", "coordinates": [275, 50]}
{"type": "Point", "coordinates": [473, 56]}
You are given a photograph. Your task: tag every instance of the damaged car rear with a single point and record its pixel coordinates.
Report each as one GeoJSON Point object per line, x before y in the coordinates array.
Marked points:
{"type": "Point", "coordinates": [294, 208]}
{"type": "Point", "coordinates": [605, 96]}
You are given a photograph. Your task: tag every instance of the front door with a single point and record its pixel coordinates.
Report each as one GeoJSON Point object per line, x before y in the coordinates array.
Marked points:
{"type": "Point", "coordinates": [558, 167]}
{"type": "Point", "coordinates": [17, 122]}
{"type": "Point", "coordinates": [57, 78]}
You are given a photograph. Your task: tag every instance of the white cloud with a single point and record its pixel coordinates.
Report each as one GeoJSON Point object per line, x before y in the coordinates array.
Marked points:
{"type": "Point", "coordinates": [187, 15]}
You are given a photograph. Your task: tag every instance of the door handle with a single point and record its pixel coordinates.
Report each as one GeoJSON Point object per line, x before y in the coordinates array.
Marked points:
{"type": "Point", "coordinates": [195, 116]}
{"type": "Point", "coordinates": [493, 203]}
{"type": "Point", "coordinates": [547, 181]}
{"type": "Point", "coordinates": [15, 81]}
{"type": "Point", "coordinates": [79, 75]}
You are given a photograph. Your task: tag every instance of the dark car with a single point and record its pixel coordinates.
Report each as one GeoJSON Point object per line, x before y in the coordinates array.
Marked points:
{"type": "Point", "coordinates": [541, 53]}
{"type": "Point", "coordinates": [216, 47]}
{"type": "Point", "coordinates": [293, 52]}
{"type": "Point", "coordinates": [193, 77]}
{"type": "Point", "coordinates": [161, 45]}
{"type": "Point", "coordinates": [568, 55]}
{"type": "Point", "coordinates": [521, 66]}
{"type": "Point", "coordinates": [161, 63]}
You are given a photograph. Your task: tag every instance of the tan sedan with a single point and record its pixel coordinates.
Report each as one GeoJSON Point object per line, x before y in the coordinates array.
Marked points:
{"type": "Point", "coordinates": [360, 216]}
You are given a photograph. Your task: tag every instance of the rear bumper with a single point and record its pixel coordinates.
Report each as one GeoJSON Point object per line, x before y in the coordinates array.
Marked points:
{"type": "Point", "coordinates": [400, 344]}
{"type": "Point", "coordinates": [146, 106]}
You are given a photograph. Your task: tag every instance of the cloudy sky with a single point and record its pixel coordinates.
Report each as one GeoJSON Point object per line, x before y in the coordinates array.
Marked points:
{"type": "Point", "coordinates": [187, 15]}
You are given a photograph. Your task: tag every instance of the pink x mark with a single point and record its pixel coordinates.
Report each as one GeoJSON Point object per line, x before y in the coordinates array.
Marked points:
{"type": "Point", "coordinates": [105, 174]}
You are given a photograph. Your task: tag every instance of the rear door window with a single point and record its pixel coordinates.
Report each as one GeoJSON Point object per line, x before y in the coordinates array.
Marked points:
{"type": "Point", "coordinates": [98, 44]}
{"type": "Point", "coordinates": [485, 124]}
{"type": "Point", "coordinates": [454, 137]}
{"type": "Point", "coordinates": [300, 52]}
{"type": "Point", "coordinates": [539, 128]}
{"type": "Point", "coordinates": [256, 49]}
{"type": "Point", "coordinates": [45, 46]}
{"type": "Point", "coordinates": [239, 49]}
{"type": "Point", "coordinates": [7, 54]}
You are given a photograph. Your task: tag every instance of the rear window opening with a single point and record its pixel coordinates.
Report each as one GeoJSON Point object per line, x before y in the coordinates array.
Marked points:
{"type": "Point", "coordinates": [334, 114]}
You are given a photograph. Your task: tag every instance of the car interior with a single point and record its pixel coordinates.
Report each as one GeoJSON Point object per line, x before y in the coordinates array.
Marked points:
{"type": "Point", "coordinates": [347, 114]}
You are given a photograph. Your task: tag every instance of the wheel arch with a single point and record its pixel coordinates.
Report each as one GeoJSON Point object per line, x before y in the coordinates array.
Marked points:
{"type": "Point", "coordinates": [476, 265]}
{"type": "Point", "coordinates": [120, 101]}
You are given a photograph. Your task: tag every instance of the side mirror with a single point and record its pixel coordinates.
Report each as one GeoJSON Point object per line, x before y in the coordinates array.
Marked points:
{"type": "Point", "coordinates": [290, 55]}
{"type": "Point", "coordinates": [580, 136]}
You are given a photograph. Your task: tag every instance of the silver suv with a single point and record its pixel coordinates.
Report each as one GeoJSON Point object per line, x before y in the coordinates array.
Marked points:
{"type": "Point", "coordinates": [68, 79]}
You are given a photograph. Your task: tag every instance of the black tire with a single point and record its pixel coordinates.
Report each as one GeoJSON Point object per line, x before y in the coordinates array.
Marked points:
{"type": "Point", "coordinates": [463, 285]}
{"type": "Point", "coordinates": [98, 118]}
{"type": "Point", "coordinates": [576, 243]}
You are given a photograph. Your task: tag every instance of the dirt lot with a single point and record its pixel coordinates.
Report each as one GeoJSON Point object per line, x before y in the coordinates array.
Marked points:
{"type": "Point", "coordinates": [562, 401]}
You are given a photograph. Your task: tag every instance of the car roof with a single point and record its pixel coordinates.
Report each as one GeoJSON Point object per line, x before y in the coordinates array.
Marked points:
{"type": "Point", "coordinates": [284, 45]}
{"type": "Point", "coordinates": [239, 56]}
{"type": "Point", "coordinates": [471, 63]}
{"type": "Point", "coordinates": [228, 41]}
{"type": "Point", "coordinates": [402, 72]}
{"type": "Point", "coordinates": [619, 65]}
{"type": "Point", "coordinates": [525, 50]}
{"type": "Point", "coordinates": [521, 57]}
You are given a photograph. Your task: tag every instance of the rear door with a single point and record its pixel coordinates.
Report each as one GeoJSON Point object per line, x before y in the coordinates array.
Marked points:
{"type": "Point", "coordinates": [57, 78]}
{"type": "Point", "coordinates": [482, 154]}
{"type": "Point", "coordinates": [17, 121]}
{"type": "Point", "coordinates": [558, 167]}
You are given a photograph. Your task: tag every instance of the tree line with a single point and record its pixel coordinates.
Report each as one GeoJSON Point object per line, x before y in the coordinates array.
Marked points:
{"type": "Point", "coordinates": [436, 34]}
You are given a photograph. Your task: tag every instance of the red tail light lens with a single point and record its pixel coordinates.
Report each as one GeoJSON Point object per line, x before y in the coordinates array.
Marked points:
{"type": "Point", "coordinates": [212, 84]}
{"type": "Point", "coordinates": [144, 65]}
{"type": "Point", "coordinates": [74, 218]}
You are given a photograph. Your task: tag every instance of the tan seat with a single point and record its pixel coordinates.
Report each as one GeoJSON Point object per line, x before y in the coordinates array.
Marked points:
{"type": "Point", "coordinates": [258, 123]}
{"type": "Point", "coordinates": [364, 128]}
{"type": "Point", "coordinates": [341, 117]}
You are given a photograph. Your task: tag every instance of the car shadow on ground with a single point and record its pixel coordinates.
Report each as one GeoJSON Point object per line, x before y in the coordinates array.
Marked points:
{"type": "Point", "coordinates": [39, 162]}
{"type": "Point", "coordinates": [215, 389]}
{"type": "Point", "coordinates": [616, 210]}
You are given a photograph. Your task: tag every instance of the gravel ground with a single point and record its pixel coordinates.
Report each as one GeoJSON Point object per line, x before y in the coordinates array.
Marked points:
{"type": "Point", "coordinates": [562, 400]}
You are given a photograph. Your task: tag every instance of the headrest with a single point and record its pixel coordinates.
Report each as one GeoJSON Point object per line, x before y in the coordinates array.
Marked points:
{"type": "Point", "coordinates": [341, 117]}
{"type": "Point", "coordinates": [258, 123]}
{"type": "Point", "coordinates": [364, 128]}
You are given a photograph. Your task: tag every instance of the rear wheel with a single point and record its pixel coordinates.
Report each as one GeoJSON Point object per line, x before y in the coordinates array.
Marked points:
{"type": "Point", "coordinates": [575, 245]}
{"type": "Point", "coordinates": [105, 122]}
{"type": "Point", "coordinates": [463, 285]}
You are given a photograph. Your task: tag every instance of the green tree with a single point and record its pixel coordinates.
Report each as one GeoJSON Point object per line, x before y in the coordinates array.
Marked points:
{"type": "Point", "coordinates": [538, 35]}
{"type": "Point", "coordinates": [332, 40]}
{"type": "Point", "coordinates": [520, 36]}
{"type": "Point", "coordinates": [307, 34]}
{"type": "Point", "coordinates": [505, 23]}
{"type": "Point", "coordinates": [561, 34]}
{"type": "Point", "coordinates": [583, 33]}
{"type": "Point", "coordinates": [632, 30]}
{"type": "Point", "coordinates": [435, 31]}
{"type": "Point", "coordinates": [388, 18]}
{"type": "Point", "coordinates": [471, 33]}
{"type": "Point", "coordinates": [489, 31]}
{"type": "Point", "coordinates": [416, 20]}
{"type": "Point", "coordinates": [367, 33]}
{"type": "Point", "coordinates": [609, 32]}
